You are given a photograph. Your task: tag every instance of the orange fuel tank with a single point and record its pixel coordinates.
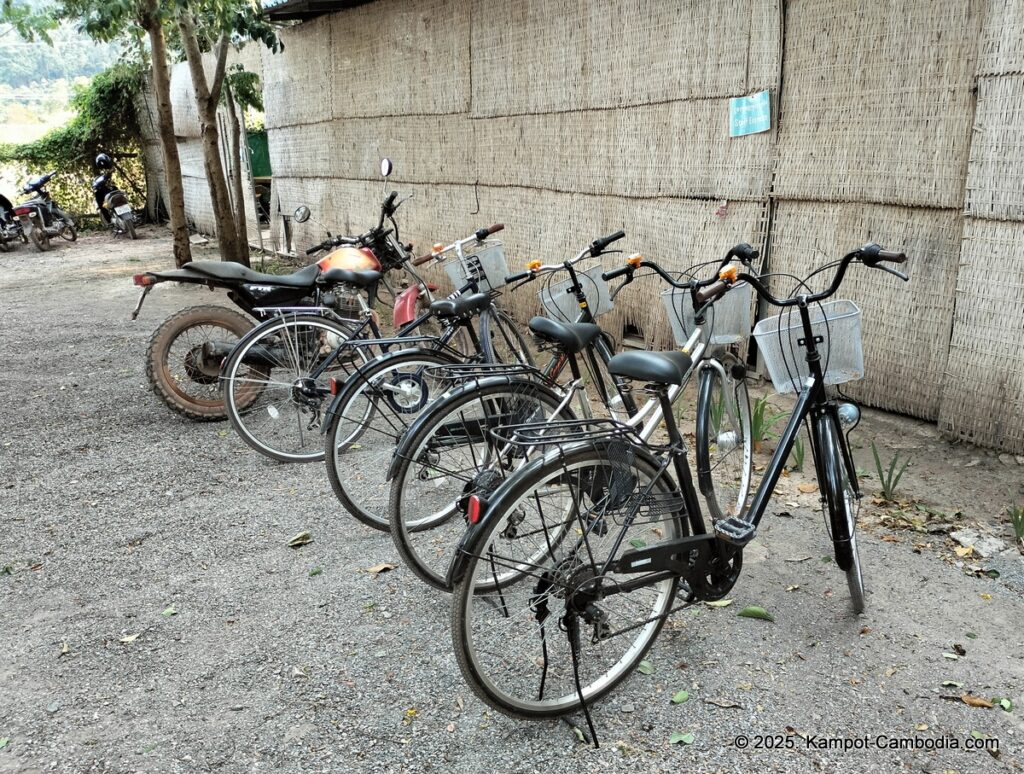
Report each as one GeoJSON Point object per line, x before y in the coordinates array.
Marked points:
{"type": "Point", "coordinates": [351, 258]}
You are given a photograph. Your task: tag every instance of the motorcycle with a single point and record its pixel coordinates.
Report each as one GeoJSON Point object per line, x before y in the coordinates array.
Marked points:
{"type": "Point", "coordinates": [186, 352]}
{"type": "Point", "coordinates": [114, 206]}
{"type": "Point", "coordinates": [41, 219]}
{"type": "Point", "coordinates": [10, 226]}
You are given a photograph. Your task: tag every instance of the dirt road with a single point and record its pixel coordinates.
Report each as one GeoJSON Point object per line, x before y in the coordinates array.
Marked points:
{"type": "Point", "coordinates": [153, 618]}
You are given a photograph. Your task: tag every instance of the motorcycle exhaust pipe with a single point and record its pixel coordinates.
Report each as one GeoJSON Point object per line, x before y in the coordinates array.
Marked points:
{"type": "Point", "coordinates": [218, 351]}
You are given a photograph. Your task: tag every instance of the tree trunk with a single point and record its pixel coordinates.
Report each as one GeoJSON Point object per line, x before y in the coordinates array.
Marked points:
{"type": "Point", "coordinates": [237, 186]}
{"type": "Point", "coordinates": [207, 96]}
{"type": "Point", "coordinates": [172, 164]}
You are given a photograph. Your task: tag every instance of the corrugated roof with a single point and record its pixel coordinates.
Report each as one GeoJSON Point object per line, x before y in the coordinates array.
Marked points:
{"type": "Point", "coordinates": [302, 10]}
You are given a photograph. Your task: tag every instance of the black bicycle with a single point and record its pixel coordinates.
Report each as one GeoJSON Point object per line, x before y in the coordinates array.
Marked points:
{"type": "Point", "coordinates": [549, 619]}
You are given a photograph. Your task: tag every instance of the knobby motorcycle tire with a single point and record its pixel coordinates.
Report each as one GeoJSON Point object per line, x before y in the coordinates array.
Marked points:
{"type": "Point", "coordinates": [157, 370]}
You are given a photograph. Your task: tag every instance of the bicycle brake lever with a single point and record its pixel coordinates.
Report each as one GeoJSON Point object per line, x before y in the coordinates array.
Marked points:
{"type": "Point", "coordinates": [894, 272]}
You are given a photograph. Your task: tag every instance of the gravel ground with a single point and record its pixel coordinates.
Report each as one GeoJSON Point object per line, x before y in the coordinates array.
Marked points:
{"type": "Point", "coordinates": [153, 618]}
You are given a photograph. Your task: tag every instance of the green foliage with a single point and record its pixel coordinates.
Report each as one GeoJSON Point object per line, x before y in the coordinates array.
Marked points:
{"type": "Point", "coordinates": [796, 459]}
{"type": "Point", "coordinates": [105, 121]}
{"type": "Point", "coordinates": [1017, 521]}
{"type": "Point", "coordinates": [245, 88]}
{"type": "Point", "coordinates": [29, 22]}
{"type": "Point", "coordinates": [762, 419]}
{"type": "Point", "coordinates": [889, 477]}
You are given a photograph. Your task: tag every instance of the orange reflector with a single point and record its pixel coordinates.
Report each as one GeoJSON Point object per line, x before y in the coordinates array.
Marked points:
{"type": "Point", "coordinates": [143, 279]}
{"type": "Point", "coordinates": [475, 509]}
{"type": "Point", "coordinates": [533, 265]}
{"type": "Point", "coordinates": [729, 273]}
{"type": "Point", "coordinates": [438, 248]}
{"type": "Point", "coordinates": [634, 260]}
{"type": "Point", "coordinates": [334, 385]}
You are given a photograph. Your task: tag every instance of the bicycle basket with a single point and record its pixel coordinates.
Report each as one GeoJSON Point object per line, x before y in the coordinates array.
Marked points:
{"type": "Point", "coordinates": [842, 356]}
{"type": "Point", "coordinates": [484, 262]}
{"type": "Point", "coordinates": [561, 305]}
{"type": "Point", "coordinates": [727, 320]}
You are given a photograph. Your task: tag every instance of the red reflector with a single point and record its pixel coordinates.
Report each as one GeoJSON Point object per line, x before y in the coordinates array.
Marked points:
{"type": "Point", "coordinates": [334, 386]}
{"type": "Point", "coordinates": [432, 286]}
{"type": "Point", "coordinates": [143, 279]}
{"type": "Point", "coordinates": [475, 509]}
{"type": "Point", "coordinates": [22, 210]}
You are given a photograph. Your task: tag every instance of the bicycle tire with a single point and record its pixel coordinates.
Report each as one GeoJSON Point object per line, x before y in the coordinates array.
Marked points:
{"type": "Point", "coordinates": [500, 339]}
{"type": "Point", "coordinates": [840, 501]}
{"type": "Point", "coordinates": [425, 540]}
{"type": "Point", "coordinates": [378, 402]}
{"type": "Point", "coordinates": [306, 341]}
{"type": "Point", "coordinates": [513, 674]}
{"type": "Point", "coordinates": [723, 447]}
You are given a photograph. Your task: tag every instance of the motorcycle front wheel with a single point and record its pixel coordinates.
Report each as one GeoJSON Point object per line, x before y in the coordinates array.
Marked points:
{"type": "Point", "coordinates": [68, 232]}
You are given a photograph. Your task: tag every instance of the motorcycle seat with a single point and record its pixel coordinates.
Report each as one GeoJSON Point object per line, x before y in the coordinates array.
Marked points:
{"type": "Point", "coordinates": [231, 271]}
{"type": "Point", "coordinates": [361, 279]}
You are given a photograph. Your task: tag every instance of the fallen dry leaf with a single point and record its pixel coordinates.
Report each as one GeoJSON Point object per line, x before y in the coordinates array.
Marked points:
{"type": "Point", "coordinates": [130, 638]}
{"type": "Point", "coordinates": [301, 539]}
{"type": "Point", "coordinates": [724, 703]}
{"type": "Point", "coordinates": [808, 488]}
{"type": "Point", "coordinates": [976, 701]}
{"type": "Point", "coordinates": [377, 569]}
{"type": "Point", "coordinates": [963, 551]}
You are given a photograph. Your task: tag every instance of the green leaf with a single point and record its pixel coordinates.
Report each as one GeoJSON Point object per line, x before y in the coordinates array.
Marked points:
{"type": "Point", "coordinates": [637, 543]}
{"type": "Point", "coordinates": [719, 603]}
{"type": "Point", "coordinates": [679, 736]}
{"type": "Point", "coordinates": [681, 697]}
{"type": "Point", "coordinates": [971, 636]}
{"type": "Point", "coordinates": [315, 571]}
{"type": "Point", "coordinates": [3, 742]}
{"type": "Point", "coordinates": [753, 611]}
{"type": "Point", "coordinates": [977, 735]}
{"type": "Point", "coordinates": [579, 734]}
{"type": "Point", "coordinates": [645, 667]}
{"type": "Point", "coordinates": [1004, 704]}
{"type": "Point", "coordinates": [172, 610]}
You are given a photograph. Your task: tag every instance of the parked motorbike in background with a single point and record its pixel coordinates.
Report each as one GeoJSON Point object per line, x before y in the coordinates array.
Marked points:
{"type": "Point", "coordinates": [115, 209]}
{"type": "Point", "coordinates": [10, 226]}
{"type": "Point", "coordinates": [41, 218]}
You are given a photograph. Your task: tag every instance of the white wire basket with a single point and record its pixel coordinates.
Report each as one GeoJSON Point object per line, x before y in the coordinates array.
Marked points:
{"type": "Point", "coordinates": [485, 263]}
{"type": "Point", "coordinates": [842, 355]}
{"type": "Point", "coordinates": [727, 320]}
{"type": "Point", "coordinates": [562, 306]}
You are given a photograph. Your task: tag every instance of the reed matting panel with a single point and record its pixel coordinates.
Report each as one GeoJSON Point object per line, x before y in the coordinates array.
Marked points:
{"type": "Point", "coordinates": [905, 326]}
{"type": "Point", "coordinates": [1001, 47]}
{"type": "Point", "coordinates": [995, 175]}
{"type": "Point", "coordinates": [877, 101]}
{"type": "Point", "coordinates": [298, 82]}
{"type": "Point", "coordinates": [538, 56]}
{"type": "Point", "coordinates": [183, 102]}
{"type": "Point", "coordinates": [983, 400]}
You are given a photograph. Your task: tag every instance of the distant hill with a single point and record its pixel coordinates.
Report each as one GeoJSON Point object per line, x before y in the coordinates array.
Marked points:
{"type": "Point", "coordinates": [72, 55]}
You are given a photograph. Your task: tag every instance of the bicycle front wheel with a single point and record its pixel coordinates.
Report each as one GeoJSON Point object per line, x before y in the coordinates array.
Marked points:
{"type": "Point", "coordinates": [568, 628]}
{"type": "Point", "coordinates": [448, 456]}
{"type": "Point", "coordinates": [842, 506]}
{"type": "Point", "coordinates": [723, 447]}
{"type": "Point", "coordinates": [276, 384]}
{"type": "Point", "coordinates": [379, 401]}
{"type": "Point", "coordinates": [500, 340]}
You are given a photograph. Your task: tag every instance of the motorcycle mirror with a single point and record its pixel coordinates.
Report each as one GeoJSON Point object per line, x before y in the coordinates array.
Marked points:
{"type": "Point", "coordinates": [302, 214]}
{"type": "Point", "coordinates": [385, 167]}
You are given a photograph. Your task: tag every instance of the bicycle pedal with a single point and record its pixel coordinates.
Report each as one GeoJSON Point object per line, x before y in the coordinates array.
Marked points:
{"type": "Point", "coordinates": [735, 531]}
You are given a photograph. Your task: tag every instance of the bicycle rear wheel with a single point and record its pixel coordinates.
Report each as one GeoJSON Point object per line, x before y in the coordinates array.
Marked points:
{"type": "Point", "coordinates": [564, 629]}
{"type": "Point", "coordinates": [447, 456]}
{"type": "Point", "coordinates": [723, 447]}
{"type": "Point", "coordinates": [278, 407]}
{"type": "Point", "coordinates": [841, 502]}
{"type": "Point", "coordinates": [379, 401]}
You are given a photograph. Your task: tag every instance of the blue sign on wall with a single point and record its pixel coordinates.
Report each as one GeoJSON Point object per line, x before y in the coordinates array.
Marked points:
{"type": "Point", "coordinates": [750, 115]}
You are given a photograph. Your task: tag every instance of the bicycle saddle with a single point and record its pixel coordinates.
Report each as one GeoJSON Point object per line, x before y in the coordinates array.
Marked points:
{"type": "Point", "coordinates": [463, 305]}
{"type": "Point", "coordinates": [360, 279]}
{"type": "Point", "coordinates": [656, 367]}
{"type": "Point", "coordinates": [572, 337]}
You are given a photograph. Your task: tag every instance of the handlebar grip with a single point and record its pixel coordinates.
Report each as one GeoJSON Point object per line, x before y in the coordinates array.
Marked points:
{"type": "Point", "coordinates": [614, 273]}
{"type": "Point", "coordinates": [517, 277]}
{"type": "Point", "coordinates": [712, 291]}
{"type": "Point", "coordinates": [482, 233]}
{"type": "Point", "coordinates": [598, 245]}
{"type": "Point", "coordinates": [422, 259]}
{"type": "Point", "coordinates": [892, 256]}
{"type": "Point", "coordinates": [315, 249]}
{"type": "Point", "coordinates": [745, 253]}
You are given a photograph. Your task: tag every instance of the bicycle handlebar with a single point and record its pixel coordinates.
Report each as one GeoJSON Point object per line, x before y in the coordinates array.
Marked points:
{"type": "Point", "coordinates": [744, 252]}
{"type": "Point", "coordinates": [598, 246]}
{"type": "Point", "coordinates": [594, 249]}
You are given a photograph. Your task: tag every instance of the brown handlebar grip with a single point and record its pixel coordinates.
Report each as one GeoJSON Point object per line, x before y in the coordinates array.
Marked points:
{"type": "Point", "coordinates": [496, 228]}
{"type": "Point", "coordinates": [712, 291]}
{"type": "Point", "coordinates": [422, 259]}
{"type": "Point", "coordinates": [892, 255]}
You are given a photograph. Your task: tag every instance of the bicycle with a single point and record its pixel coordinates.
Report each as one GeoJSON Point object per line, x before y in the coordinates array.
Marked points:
{"type": "Point", "coordinates": [277, 409]}
{"type": "Point", "coordinates": [607, 557]}
{"type": "Point", "coordinates": [449, 454]}
{"type": "Point", "coordinates": [381, 398]}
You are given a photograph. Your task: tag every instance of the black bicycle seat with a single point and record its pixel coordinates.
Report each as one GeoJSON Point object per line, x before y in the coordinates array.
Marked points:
{"type": "Point", "coordinates": [656, 367]}
{"type": "Point", "coordinates": [571, 337]}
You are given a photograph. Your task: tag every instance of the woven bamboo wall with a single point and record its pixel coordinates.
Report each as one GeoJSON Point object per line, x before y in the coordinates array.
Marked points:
{"type": "Point", "coordinates": [983, 399]}
{"type": "Point", "coordinates": [877, 102]}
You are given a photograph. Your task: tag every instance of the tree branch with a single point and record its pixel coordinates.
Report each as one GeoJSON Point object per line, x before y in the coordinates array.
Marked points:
{"type": "Point", "coordinates": [221, 52]}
